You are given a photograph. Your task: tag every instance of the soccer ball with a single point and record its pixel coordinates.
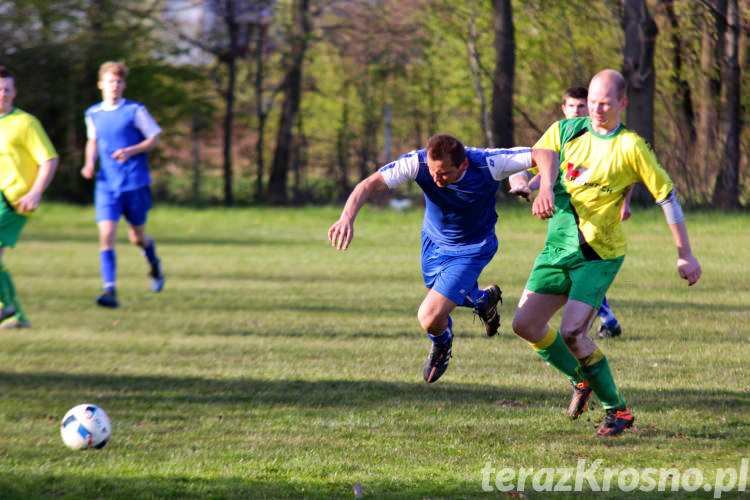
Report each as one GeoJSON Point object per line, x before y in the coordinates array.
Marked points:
{"type": "Point", "coordinates": [85, 426]}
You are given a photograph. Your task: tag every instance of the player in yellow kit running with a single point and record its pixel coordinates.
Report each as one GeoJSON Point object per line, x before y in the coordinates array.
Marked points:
{"type": "Point", "coordinates": [27, 165]}
{"type": "Point", "coordinates": [574, 106]}
{"type": "Point", "coordinates": [599, 160]}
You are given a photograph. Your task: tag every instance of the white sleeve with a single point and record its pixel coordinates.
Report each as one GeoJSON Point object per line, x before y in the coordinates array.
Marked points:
{"type": "Point", "coordinates": [404, 169]}
{"type": "Point", "coordinates": [90, 129]}
{"type": "Point", "coordinates": [145, 123]}
{"type": "Point", "coordinates": [505, 162]}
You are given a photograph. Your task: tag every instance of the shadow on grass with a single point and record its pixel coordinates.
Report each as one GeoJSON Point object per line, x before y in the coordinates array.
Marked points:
{"type": "Point", "coordinates": [154, 390]}
{"type": "Point", "coordinates": [661, 305]}
{"type": "Point", "coordinates": [199, 239]}
{"type": "Point", "coordinates": [150, 390]}
{"type": "Point", "coordinates": [143, 487]}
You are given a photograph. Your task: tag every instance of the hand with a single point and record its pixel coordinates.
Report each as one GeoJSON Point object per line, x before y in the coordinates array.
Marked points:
{"type": "Point", "coordinates": [88, 171]}
{"type": "Point", "coordinates": [28, 203]}
{"type": "Point", "coordinates": [522, 191]}
{"type": "Point", "coordinates": [544, 204]}
{"type": "Point", "coordinates": [341, 234]}
{"type": "Point", "coordinates": [689, 269]}
{"type": "Point", "coordinates": [122, 155]}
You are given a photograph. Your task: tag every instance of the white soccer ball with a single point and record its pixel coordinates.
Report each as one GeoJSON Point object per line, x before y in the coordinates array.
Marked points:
{"type": "Point", "coordinates": [85, 426]}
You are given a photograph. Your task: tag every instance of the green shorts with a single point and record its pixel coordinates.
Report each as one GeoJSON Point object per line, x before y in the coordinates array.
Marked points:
{"type": "Point", "coordinates": [559, 272]}
{"type": "Point", "coordinates": [11, 224]}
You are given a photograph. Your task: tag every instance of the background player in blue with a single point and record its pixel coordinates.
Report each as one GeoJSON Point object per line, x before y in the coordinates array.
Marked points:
{"type": "Point", "coordinates": [121, 132]}
{"type": "Point", "coordinates": [458, 232]}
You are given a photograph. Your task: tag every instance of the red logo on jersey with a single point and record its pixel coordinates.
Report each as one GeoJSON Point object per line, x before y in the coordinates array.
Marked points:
{"type": "Point", "coordinates": [575, 172]}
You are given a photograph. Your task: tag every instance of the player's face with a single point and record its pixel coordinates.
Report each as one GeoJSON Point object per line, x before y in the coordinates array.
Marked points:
{"type": "Point", "coordinates": [574, 107]}
{"type": "Point", "coordinates": [443, 172]}
{"type": "Point", "coordinates": [7, 94]}
{"type": "Point", "coordinates": [112, 87]}
{"type": "Point", "coordinates": [604, 105]}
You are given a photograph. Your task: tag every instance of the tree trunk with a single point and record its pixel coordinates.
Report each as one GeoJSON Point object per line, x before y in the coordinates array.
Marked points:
{"type": "Point", "coordinates": [476, 76]}
{"type": "Point", "coordinates": [505, 62]}
{"type": "Point", "coordinates": [195, 133]}
{"type": "Point", "coordinates": [684, 99]}
{"type": "Point", "coordinates": [726, 192]}
{"type": "Point", "coordinates": [228, 124]}
{"type": "Point", "coordinates": [342, 155]}
{"type": "Point", "coordinates": [292, 95]}
{"type": "Point", "coordinates": [712, 42]}
{"type": "Point", "coordinates": [370, 121]}
{"type": "Point", "coordinates": [261, 112]}
{"type": "Point", "coordinates": [683, 135]}
{"type": "Point", "coordinates": [638, 69]}
{"type": "Point", "coordinates": [388, 119]}
{"type": "Point", "coordinates": [638, 66]}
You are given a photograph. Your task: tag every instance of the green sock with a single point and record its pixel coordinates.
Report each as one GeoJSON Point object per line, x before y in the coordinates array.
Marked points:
{"type": "Point", "coordinates": [596, 370]}
{"type": "Point", "coordinates": [8, 292]}
{"type": "Point", "coordinates": [553, 350]}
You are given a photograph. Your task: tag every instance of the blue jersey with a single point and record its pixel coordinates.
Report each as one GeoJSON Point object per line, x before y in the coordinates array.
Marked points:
{"type": "Point", "coordinates": [461, 215]}
{"type": "Point", "coordinates": [124, 125]}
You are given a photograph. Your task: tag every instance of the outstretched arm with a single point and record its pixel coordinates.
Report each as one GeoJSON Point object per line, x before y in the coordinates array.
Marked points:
{"type": "Point", "coordinates": [342, 231]}
{"type": "Point", "coordinates": [549, 166]}
{"type": "Point", "coordinates": [687, 265]}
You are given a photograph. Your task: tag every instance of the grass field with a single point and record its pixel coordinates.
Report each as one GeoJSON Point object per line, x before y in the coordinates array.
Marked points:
{"type": "Point", "coordinates": [274, 367]}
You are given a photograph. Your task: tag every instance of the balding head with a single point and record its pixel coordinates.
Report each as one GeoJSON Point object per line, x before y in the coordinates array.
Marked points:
{"type": "Point", "coordinates": [606, 100]}
{"type": "Point", "coordinates": [611, 77]}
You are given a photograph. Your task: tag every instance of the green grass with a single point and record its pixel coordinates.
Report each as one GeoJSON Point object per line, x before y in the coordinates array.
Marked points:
{"type": "Point", "coordinates": [273, 366]}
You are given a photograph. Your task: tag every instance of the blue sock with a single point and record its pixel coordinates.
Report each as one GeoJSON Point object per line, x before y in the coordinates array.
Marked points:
{"type": "Point", "coordinates": [108, 269]}
{"type": "Point", "coordinates": [150, 253]}
{"type": "Point", "coordinates": [606, 314]}
{"type": "Point", "coordinates": [476, 298]}
{"type": "Point", "coordinates": [444, 337]}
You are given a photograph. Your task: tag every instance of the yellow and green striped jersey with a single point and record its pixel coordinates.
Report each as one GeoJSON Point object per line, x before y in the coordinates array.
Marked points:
{"type": "Point", "coordinates": [595, 174]}
{"type": "Point", "coordinates": [23, 147]}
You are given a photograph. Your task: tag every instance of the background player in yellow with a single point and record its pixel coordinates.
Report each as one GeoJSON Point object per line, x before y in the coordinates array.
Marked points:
{"type": "Point", "coordinates": [574, 106]}
{"type": "Point", "coordinates": [585, 246]}
{"type": "Point", "coordinates": [27, 164]}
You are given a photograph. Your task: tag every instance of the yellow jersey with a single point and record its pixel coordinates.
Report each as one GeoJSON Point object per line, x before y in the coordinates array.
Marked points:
{"type": "Point", "coordinates": [24, 146]}
{"type": "Point", "coordinates": [595, 174]}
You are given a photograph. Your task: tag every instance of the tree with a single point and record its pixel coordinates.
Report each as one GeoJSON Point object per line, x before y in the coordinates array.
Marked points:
{"type": "Point", "coordinates": [262, 104]}
{"type": "Point", "coordinates": [679, 103]}
{"type": "Point", "coordinates": [638, 66]}
{"type": "Point", "coordinates": [709, 92]}
{"type": "Point", "coordinates": [638, 69]}
{"type": "Point", "coordinates": [475, 66]}
{"type": "Point", "coordinates": [726, 192]}
{"type": "Point", "coordinates": [227, 39]}
{"type": "Point", "coordinates": [505, 63]}
{"type": "Point", "coordinates": [292, 85]}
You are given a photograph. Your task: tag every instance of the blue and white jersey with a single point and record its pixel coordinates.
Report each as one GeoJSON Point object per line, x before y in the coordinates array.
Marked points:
{"type": "Point", "coordinates": [115, 127]}
{"type": "Point", "coordinates": [462, 215]}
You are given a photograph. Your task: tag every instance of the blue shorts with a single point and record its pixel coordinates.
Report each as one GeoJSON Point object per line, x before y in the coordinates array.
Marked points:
{"type": "Point", "coordinates": [454, 274]}
{"type": "Point", "coordinates": [134, 205]}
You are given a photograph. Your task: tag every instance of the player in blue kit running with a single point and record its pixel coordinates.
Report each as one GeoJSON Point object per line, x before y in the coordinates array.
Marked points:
{"type": "Point", "coordinates": [121, 132]}
{"type": "Point", "coordinates": [458, 232]}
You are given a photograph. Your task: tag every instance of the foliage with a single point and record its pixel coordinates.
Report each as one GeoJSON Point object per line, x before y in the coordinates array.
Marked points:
{"type": "Point", "coordinates": [363, 57]}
